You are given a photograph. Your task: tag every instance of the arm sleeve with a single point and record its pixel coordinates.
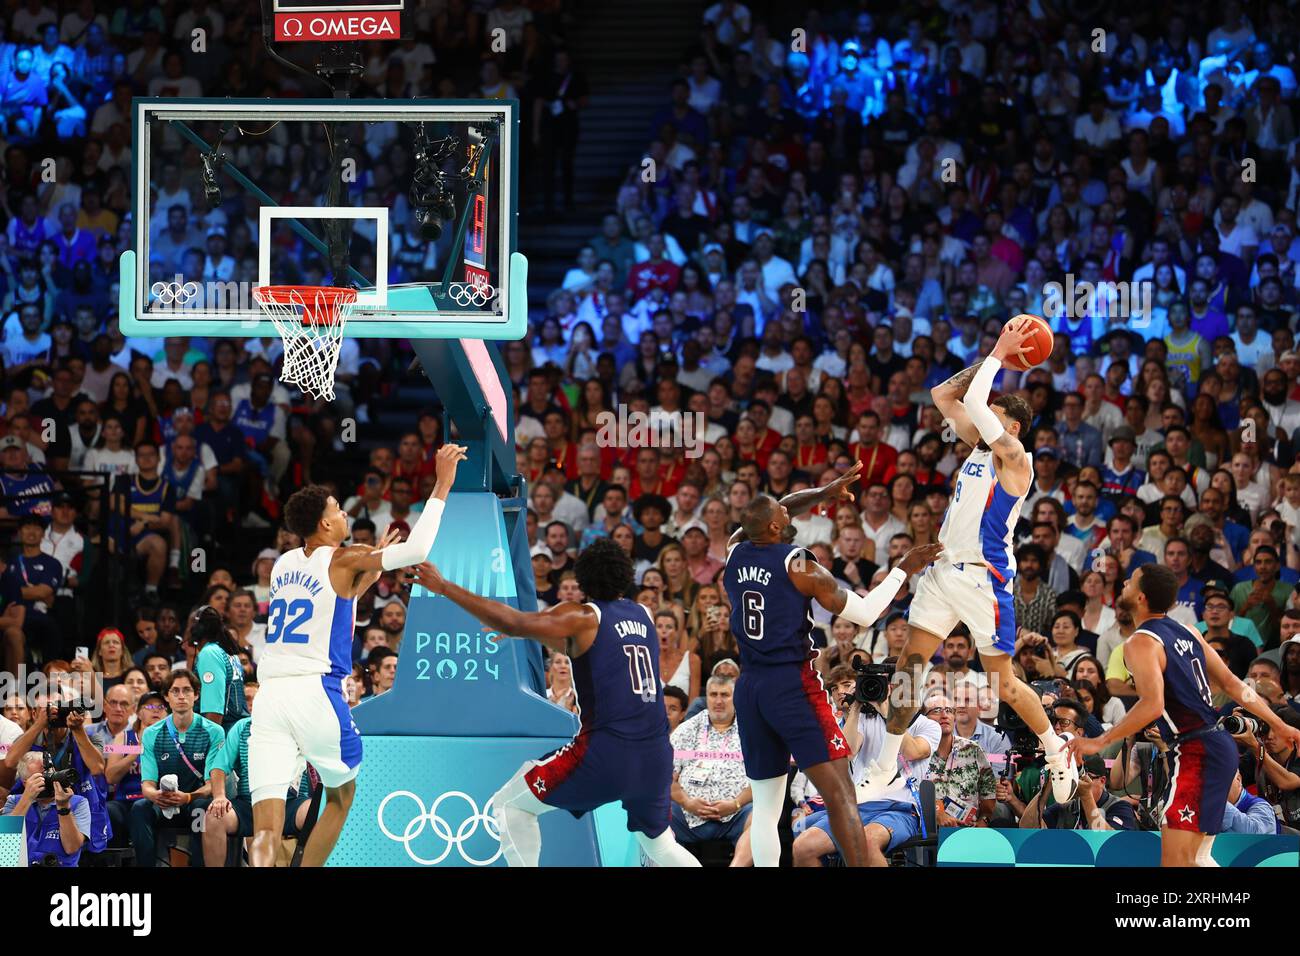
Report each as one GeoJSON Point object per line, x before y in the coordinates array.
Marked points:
{"type": "Point", "coordinates": [417, 544]}
{"type": "Point", "coordinates": [865, 611]}
{"type": "Point", "coordinates": [977, 402]}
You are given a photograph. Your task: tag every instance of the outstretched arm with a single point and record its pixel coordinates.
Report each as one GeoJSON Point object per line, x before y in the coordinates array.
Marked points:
{"type": "Point", "coordinates": [797, 502]}
{"type": "Point", "coordinates": [569, 628]}
{"type": "Point", "coordinates": [358, 560]}
{"type": "Point", "coordinates": [1244, 694]}
{"type": "Point", "coordinates": [813, 580]}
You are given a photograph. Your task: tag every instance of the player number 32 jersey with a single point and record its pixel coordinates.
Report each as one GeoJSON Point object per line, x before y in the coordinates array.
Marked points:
{"type": "Point", "coordinates": [308, 626]}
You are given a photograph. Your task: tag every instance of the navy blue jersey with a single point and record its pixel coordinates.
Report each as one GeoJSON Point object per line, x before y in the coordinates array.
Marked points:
{"type": "Point", "coordinates": [770, 619]}
{"type": "Point", "coordinates": [617, 680]}
{"type": "Point", "coordinates": [1188, 698]}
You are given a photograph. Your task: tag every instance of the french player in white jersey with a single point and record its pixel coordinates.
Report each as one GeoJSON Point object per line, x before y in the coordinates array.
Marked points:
{"type": "Point", "coordinates": [972, 580]}
{"type": "Point", "coordinates": [302, 712]}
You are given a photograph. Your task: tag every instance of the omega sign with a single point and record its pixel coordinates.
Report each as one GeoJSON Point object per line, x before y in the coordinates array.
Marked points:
{"type": "Point", "coordinates": [309, 26]}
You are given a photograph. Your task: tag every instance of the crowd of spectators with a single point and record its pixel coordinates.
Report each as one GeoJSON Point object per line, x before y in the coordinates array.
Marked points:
{"type": "Point", "coordinates": [142, 480]}
{"type": "Point", "coordinates": [829, 224]}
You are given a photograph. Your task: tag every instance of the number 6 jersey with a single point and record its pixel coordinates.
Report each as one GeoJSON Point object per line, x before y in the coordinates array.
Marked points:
{"type": "Point", "coordinates": [770, 618]}
{"type": "Point", "coordinates": [308, 626]}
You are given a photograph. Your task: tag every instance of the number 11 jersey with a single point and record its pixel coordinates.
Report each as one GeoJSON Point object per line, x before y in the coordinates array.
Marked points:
{"type": "Point", "coordinates": [617, 681]}
{"type": "Point", "coordinates": [308, 627]}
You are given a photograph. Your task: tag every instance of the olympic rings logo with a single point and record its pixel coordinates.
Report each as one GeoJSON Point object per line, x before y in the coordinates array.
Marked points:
{"type": "Point", "coordinates": [468, 293]}
{"type": "Point", "coordinates": [175, 293]}
{"type": "Point", "coordinates": [454, 839]}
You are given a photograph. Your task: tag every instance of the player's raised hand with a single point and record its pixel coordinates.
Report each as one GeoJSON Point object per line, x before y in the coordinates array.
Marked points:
{"type": "Point", "coordinates": [430, 577]}
{"type": "Point", "coordinates": [391, 536]}
{"type": "Point", "coordinates": [445, 462]}
{"type": "Point", "coordinates": [1081, 746]}
{"type": "Point", "coordinates": [1011, 343]}
{"type": "Point", "coordinates": [919, 557]}
{"type": "Point", "coordinates": [839, 488]}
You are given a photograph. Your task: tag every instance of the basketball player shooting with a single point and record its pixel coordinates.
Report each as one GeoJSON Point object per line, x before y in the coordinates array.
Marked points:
{"type": "Point", "coordinates": [622, 751]}
{"type": "Point", "coordinates": [1176, 674]}
{"type": "Point", "coordinates": [782, 708]}
{"type": "Point", "coordinates": [973, 581]}
{"type": "Point", "coordinates": [302, 713]}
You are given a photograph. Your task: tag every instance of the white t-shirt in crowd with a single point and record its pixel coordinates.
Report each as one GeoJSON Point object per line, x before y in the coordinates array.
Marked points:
{"type": "Point", "coordinates": [872, 728]}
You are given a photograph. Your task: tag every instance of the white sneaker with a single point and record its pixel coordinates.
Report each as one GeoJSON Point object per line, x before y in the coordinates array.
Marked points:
{"type": "Point", "coordinates": [254, 520]}
{"type": "Point", "coordinates": [1065, 775]}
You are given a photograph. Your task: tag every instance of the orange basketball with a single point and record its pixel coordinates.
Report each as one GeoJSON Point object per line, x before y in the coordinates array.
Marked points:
{"type": "Point", "coordinates": [1039, 345]}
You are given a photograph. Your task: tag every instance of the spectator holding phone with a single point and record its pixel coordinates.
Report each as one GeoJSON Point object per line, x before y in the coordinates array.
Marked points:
{"type": "Point", "coordinates": [53, 838]}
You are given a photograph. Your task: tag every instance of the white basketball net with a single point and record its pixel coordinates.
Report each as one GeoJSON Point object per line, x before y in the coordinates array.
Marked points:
{"type": "Point", "coordinates": [310, 320]}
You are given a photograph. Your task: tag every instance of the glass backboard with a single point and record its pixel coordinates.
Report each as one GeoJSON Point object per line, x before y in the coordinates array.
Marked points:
{"type": "Point", "coordinates": [411, 203]}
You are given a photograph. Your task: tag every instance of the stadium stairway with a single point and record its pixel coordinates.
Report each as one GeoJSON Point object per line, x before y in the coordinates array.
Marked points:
{"type": "Point", "coordinates": [630, 51]}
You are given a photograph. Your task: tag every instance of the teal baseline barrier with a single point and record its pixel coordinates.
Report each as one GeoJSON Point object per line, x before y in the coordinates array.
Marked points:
{"type": "Point", "coordinates": [980, 846]}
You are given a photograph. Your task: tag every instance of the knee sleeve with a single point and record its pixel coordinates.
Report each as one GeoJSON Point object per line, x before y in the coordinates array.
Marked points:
{"type": "Point", "coordinates": [664, 850]}
{"type": "Point", "coordinates": [769, 798]}
{"type": "Point", "coordinates": [517, 809]}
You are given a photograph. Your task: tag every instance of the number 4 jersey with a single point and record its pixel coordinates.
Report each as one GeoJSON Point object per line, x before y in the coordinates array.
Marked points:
{"type": "Point", "coordinates": [770, 618]}
{"type": "Point", "coordinates": [308, 627]}
{"type": "Point", "coordinates": [1189, 704]}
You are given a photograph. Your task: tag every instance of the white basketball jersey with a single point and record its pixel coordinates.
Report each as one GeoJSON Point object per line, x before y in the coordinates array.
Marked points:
{"type": "Point", "coordinates": [981, 517]}
{"type": "Point", "coordinates": [309, 627]}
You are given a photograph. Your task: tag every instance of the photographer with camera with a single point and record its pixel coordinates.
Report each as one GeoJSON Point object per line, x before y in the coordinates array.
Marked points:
{"type": "Point", "coordinates": [1275, 757]}
{"type": "Point", "coordinates": [53, 839]}
{"type": "Point", "coordinates": [59, 730]}
{"type": "Point", "coordinates": [1093, 807]}
{"type": "Point", "coordinates": [893, 817]}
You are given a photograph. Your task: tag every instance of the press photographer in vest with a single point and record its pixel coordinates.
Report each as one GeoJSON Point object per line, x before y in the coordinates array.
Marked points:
{"type": "Point", "coordinates": [58, 820]}
{"type": "Point", "coordinates": [59, 730]}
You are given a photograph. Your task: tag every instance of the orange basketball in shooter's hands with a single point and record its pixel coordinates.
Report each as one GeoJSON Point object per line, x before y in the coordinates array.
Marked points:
{"type": "Point", "coordinates": [1039, 345]}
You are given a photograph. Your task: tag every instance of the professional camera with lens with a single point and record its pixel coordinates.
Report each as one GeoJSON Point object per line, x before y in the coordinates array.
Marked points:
{"type": "Point", "coordinates": [1243, 724]}
{"type": "Point", "coordinates": [1024, 742]}
{"type": "Point", "coordinates": [873, 682]}
{"type": "Point", "coordinates": [66, 778]}
{"type": "Point", "coordinates": [61, 710]}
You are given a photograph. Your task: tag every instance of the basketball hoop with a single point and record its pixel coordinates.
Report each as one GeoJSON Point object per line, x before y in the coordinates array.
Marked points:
{"type": "Point", "coordinates": [310, 320]}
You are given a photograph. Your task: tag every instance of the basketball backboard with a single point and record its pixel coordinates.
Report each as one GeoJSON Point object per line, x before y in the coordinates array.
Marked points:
{"type": "Point", "coordinates": [412, 203]}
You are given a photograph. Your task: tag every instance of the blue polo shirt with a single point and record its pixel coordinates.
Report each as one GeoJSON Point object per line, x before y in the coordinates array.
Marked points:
{"type": "Point", "coordinates": [227, 444]}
